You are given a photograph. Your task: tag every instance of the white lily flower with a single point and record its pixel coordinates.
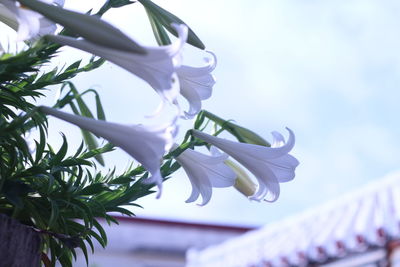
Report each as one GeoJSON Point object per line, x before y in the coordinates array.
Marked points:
{"type": "Point", "coordinates": [196, 84]}
{"type": "Point", "coordinates": [205, 172]}
{"type": "Point", "coordinates": [157, 66]}
{"type": "Point", "coordinates": [26, 22]}
{"type": "Point", "coordinates": [145, 144]}
{"type": "Point", "coordinates": [270, 165]}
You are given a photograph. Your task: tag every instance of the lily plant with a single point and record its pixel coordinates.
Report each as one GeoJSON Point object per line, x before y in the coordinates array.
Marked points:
{"type": "Point", "coordinates": [58, 195]}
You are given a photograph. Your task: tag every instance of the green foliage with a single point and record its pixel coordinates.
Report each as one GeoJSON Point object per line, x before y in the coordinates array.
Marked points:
{"type": "Point", "coordinates": [62, 196]}
{"type": "Point", "coordinates": [15, 67]}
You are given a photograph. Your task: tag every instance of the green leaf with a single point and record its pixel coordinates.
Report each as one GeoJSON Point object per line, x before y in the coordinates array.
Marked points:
{"type": "Point", "coordinates": [121, 180]}
{"type": "Point", "coordinates": [100, 111]}
{"type": "Point", "coordinates": [166, 19]}
{"type": "Point", "coordinates": [159, 32]}
{"type": "Point", "coordinates": [40, 146]}
{"type": "Point", "coordinates": [119, 3]}
{"type": "Point", "coordinates": [54, 213]}
{"type": "Point", "coordinates": [101, 150]}
{"type": "Point", "coordinates": [89, 138]}
{"type": "Point", "coordinates": [89, 241]}
{"type": "Point", "coordinates": [199, 120]}
{"type": "Point", "coordinates": [84, 109]}
{"type": "Point", "coordinates": [84, 250]}
{"type": "Point", "coordinates": [61, 153]}
{"type": "Point", "coordinates": [94, 189]}
{"type": "Point", "coordinates": [113, 4]}
{"type": "Point", "coordinates": [74, 66]}
{"type": "Point", "coordinates": [75, 162]}
{"type": "Point", "coordinates": [101, 231]}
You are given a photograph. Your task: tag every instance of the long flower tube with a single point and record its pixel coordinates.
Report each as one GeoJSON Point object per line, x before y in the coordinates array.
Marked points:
{"type": "Point", "coordinates": [157, 66]}
{"type": "Point", "coordinates": [147, 145]}
{"type": "Point", "coordinates": [205, 172]}
{"type": "Point", "coordinates": [270, 165]}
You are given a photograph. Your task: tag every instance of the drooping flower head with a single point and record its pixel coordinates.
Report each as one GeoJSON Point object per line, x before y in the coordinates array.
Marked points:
{"type": "Point", "coordinates": [157, 66]}
{"type": "Point", "coordinates": [205, 172]}
{"type": "Point", "coordinates": [145, 144]}
{"type": "Point", "coordinates": [196, 84]}
{"type": "Point", "coordinates": [270, 165]}
{"type": "Point", "coordinates": [28, 23]}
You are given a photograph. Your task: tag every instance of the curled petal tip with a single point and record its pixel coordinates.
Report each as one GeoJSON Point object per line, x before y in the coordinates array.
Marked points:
{"type": "Point", "coordinates": [211, 61]}
{"type": "Point", "coordinates": [270, 201]}
{"type": "Point", "coordinates": [290, 131]}
{"type": "Point", "coordinates": [159, 192]}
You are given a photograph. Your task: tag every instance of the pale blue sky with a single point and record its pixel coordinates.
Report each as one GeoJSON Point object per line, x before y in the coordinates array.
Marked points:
{"type": "Point", "coordinates": [328, 69]}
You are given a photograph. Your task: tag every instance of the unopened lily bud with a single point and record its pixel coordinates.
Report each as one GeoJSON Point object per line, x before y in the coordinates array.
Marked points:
{"type": "Point", "coordinates": [244, 135]}
{"type": "Point", "coordinates": [243, 183]}
{"type": "Point", "coordinates": [249, 136]}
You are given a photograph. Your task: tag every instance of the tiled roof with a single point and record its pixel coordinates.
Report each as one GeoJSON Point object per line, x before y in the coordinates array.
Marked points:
{"type": "Point", "coordinates": [361, 220]}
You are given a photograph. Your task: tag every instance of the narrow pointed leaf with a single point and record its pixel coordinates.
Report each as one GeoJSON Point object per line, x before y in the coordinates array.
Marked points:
{"type": "Point", "coordinates": [166, 19]}
{"type": "Point", "coordinates": [99, 107]}
{"type": "Point", "coordinates": [159, 32]}
{"type": "Point", "coordinates": [61, 153]}
{"type": "Point", "coordinates": [89, 139]}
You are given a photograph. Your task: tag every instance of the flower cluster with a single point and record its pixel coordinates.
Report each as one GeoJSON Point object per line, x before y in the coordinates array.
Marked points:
{"type": "Point", "coordinates": [162, 68]}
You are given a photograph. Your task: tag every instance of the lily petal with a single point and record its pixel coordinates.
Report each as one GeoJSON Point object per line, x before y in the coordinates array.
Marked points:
{"type": "Point", "coordinates": [278, 139]}
{"type": "Point", "coordinates": [196, 84]}
{"type": "Point", "coordinates": [205, 172]}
